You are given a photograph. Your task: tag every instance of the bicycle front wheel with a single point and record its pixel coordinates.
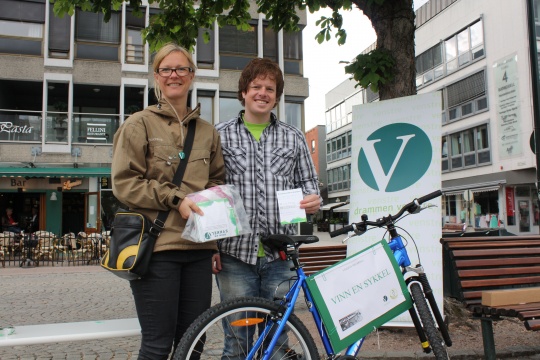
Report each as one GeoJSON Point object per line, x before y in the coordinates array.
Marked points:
{"type": "Point", "coordinates": [231, 329]}
{"type": "Point", "coordinates": [428, 324]}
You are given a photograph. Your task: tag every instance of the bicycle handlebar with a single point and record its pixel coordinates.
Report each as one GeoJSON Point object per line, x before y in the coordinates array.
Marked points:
{"type": "Point", "coordinates": [411, 207]}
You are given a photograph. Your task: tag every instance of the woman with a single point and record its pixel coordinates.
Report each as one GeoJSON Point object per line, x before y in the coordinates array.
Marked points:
{"type": "Point", "coordinates": [147, 149]}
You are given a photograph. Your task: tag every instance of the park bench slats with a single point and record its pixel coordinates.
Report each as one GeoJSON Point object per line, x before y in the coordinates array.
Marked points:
{"type": "Point", "coordinates": [501, 281]}
{"type": "Point", "coordinates": [499, 271]}
{"type": "Point", "coordinates": [316, 258]}
{"type": "Point", "coordinates": [481, 263]}
{"type": "Point", "coordinates": [460, 264]}
{"type": "Point", "coordinates": [532, 324]}
{"type": "Point", "coordinates": [497, 252]}
{"type": "Point", "coordinates": [493, 244]}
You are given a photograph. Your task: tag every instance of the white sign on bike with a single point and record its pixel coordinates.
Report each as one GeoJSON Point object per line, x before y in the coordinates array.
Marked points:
{"type": "Point", "coordinates": [359, 294]}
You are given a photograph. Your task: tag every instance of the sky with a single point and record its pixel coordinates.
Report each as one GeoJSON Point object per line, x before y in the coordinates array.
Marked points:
{"type": "Point", "coordinates": [321, 61]}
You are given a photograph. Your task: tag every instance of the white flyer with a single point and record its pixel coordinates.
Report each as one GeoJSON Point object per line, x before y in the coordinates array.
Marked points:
{"type": "Point", "coordinates": [218, 221]}
{"type": "Point", "coordinates": [289, 206]}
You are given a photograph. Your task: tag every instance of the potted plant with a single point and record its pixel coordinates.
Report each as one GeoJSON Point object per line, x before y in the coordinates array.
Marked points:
{"type": "Point", "coordinates": [60, 121]}
{"type": "Point", "coordinates": [335, 224]}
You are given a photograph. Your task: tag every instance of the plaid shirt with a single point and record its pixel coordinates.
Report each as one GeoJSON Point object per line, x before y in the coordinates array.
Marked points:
{"type": "Point", "coordinates": [279, 161]}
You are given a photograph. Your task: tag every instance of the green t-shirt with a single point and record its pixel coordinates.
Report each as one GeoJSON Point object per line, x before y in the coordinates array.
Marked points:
{"type": "Point", "coordinates": [256, 130]}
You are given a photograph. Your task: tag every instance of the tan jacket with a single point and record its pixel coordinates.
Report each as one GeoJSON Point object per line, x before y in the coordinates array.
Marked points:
{"type": "Point", "coordinates": [145, 157]}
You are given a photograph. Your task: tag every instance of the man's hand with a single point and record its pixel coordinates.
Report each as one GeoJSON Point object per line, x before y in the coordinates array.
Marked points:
{"type": "Point", "coordinates": [187, 206]}
{"type": "Point", "coordinates": [216, 263]}
{"type": "Point", "coordinates": [312, 203]}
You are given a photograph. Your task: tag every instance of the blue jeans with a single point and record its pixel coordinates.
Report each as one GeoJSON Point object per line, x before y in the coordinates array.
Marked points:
{"type": "Point", "coordinates": [269, 280]}
{"type": "Point", "coordinates": [176, 289]}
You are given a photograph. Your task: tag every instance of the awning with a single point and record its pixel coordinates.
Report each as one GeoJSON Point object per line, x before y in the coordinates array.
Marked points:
{"type": "Point", "coordinates": [344, 208]}
{"type": "Point", "coordinates": [55, 172]}
{"type": "Point", "coordinates": [485, 189]}
{"type": "Point", "coordinates": [328, 206]}
{"type": "Point", "coordinates": [476, 187]}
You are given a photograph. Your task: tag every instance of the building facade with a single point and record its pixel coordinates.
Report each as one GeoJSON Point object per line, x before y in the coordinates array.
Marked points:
{"type": "Point", "coordinates": [477, 55]}
{"type": "Point", "coordinates": [67, 84]}
{"type": "Point", "coordinates": [315, 139]}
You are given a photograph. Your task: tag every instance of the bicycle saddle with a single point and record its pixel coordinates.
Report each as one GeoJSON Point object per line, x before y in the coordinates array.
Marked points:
{"type": "Point", "coordinates": [280, 241]}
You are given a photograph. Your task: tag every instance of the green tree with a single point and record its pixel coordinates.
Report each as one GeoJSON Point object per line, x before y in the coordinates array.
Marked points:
{"type": "Point", "coordinates": [389, 69]}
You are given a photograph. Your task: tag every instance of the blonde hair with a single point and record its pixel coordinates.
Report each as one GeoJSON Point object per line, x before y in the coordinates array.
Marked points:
{"type": "Point", "coordinates": [164, 52]}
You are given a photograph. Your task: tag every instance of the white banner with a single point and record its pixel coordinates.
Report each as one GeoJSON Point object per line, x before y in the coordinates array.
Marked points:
{"type": "Point", "coordinates": [396, 157]}
{"type": "Point", "coordinates": [505, 72]}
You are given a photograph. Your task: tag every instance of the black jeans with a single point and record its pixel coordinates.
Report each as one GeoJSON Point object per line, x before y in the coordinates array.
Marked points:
{"type": "Point", "coordinates": [176, 289]}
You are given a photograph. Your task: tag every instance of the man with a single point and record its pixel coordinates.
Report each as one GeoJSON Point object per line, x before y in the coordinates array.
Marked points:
{"type": "Point", "coordinates": [262, 156]}
{"type": "Point", "coordinates": [9, 223]}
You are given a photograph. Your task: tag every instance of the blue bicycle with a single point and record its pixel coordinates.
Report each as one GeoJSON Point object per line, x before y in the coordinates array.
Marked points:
{"type": "Point", "coordinates": [263, 329]}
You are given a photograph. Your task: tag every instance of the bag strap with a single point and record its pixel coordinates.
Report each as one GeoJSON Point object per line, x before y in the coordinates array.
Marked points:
{"type": "Point", "coordinates": [159, 223]}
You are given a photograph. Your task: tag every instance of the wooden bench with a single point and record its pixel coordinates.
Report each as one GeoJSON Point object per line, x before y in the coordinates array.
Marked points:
{"type": "Point", "coordinates": [316, 258]}
{"type": "Point", "coordinates": [60, 332]}
{"type": "Point", "coordinates": [453, 227]}
{"type": "Point", "coordinates": [477, 265]}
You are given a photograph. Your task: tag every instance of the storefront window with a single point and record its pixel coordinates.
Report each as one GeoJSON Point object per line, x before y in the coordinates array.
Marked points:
{"type": "Point", "coordinates": [486, 209]}
{"type": "Point", "coordinates": [450, 209]}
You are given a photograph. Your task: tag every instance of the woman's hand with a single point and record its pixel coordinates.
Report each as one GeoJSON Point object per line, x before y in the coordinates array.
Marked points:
{"type": "Point", "coordinates": [187, 206]}
{"type": "Point", "coordinates": [216, 263]}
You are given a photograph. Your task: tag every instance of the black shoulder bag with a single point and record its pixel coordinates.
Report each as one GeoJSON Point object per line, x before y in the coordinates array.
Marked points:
{"type": "Point", "coordinates": [133, 235]}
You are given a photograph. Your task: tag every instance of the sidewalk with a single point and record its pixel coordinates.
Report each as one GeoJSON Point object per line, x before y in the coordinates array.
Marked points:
{"type": "Point", "coordinates": [83, 293]}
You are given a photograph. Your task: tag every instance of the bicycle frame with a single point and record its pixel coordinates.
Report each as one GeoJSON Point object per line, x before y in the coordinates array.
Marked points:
{"type": "Point", "coordinates": [402, 258]}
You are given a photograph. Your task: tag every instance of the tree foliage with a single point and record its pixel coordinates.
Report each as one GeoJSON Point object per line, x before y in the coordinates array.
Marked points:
{"type": "Point", "coordinates": [389, 69]}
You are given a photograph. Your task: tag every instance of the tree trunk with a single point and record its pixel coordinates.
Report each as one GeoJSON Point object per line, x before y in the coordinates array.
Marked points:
{"type": "Point", "coordinates": [393, 22]}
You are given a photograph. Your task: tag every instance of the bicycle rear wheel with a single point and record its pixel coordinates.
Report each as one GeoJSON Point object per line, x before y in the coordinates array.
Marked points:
{"type": "Point", "coordinates": [244, 319]}
{"type": "Point", "coordinates": [428, 323]}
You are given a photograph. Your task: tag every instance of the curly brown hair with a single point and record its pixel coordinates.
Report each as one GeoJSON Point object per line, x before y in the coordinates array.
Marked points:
{"type": "Point", "coordinates": [260, 68]}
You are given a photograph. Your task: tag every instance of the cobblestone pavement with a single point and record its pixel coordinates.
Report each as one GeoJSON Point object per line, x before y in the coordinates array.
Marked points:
{"type": "Point", "coordinates": [58, 294]}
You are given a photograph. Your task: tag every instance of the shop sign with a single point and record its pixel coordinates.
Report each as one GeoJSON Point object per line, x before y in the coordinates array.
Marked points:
{"type": "Point", "coordinates": [510, 209]}
{"type": "Point", "coordinates": [17, 183]}
{"type": "Point", "coordinates": [69, 184]}
{"type": "Point", "coordinates": [96, 131]}
{"type": "Point", "coordinates": [15, 129]}
{"type": "Point", "coordinates": [104, 182]}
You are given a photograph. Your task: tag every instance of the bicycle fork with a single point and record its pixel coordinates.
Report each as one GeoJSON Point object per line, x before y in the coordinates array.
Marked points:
{"type": "Point", "coordinates": [421, 278]}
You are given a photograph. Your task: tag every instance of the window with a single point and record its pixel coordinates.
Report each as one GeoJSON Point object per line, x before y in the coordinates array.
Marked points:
{"type": "Point", "coordinates": [206, 99]}
{"type": "Point", "coordinates": [444, 150]}
{"type": "Point", "coordinates": [21, 114]}
{"type": "Point", "coordinates": [468, 148]}
{"type": "Point", "coordinates": [237, 47]}
{"type": "Point", "coordinates": [429, 65]}
{"type": "Point", "coordinates": [95, 113]}
{"type": "Point", "coordinates": [339, 147]}
{"type": "Point", "coordinates": [97, 39]}
{"type": "Point", "coordinates": [446, 57]}
{"type": "Point", "coordinates": [464, 47]}
{"type": "Point", "coordinates": [313, 147]}
{"type": "Point", "coordinates": [229, 106]}
{"type": "Point", "coordinates": [205, 50]}
{"type": "Point", "coordinates": [133, 99]}
{"type": "Point", "coordinates": [59, 35]}
{"type": "Point", "coordinates": [134, 40]}
{"type": "Point", "coordinates": [293, 113]}
{"type": "Point", "coordinates": [57, 116]}
{"type": "Point", "coordinates": [292, 52]}
{"type": "Point", "coordinates": [21, 27]}
{"type": "Point", "coordinates": [270, 47]}
{"type": "Point", "coordinates": [339, 178]}
{"type": "Point", "coordinates": [465, 97]}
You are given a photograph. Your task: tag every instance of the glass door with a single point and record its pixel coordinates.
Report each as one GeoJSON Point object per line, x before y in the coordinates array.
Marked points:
{"type": "Point", "coordinates": [524, 215]}
{"type": "Point", "coordinates": [91, 215]}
